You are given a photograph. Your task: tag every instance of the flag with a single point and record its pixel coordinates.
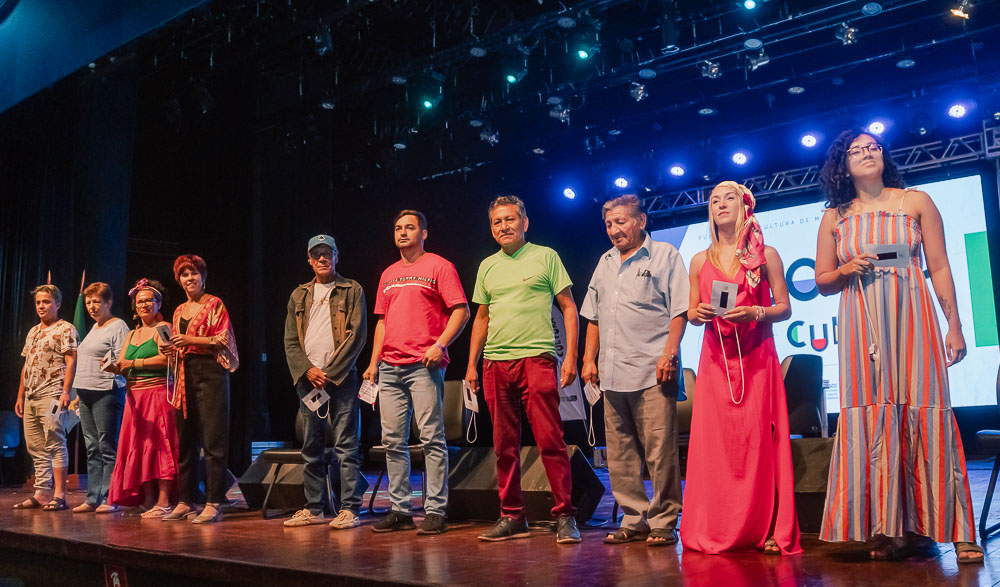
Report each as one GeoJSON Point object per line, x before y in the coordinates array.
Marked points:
{"type": "Point", "coordinates": [79, 320]}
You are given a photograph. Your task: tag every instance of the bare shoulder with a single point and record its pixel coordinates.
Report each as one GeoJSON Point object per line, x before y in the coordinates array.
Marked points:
{"type": "Point", "coordinates": [698, 260]}
{"type": "Point", "coordinates": [771, 255]}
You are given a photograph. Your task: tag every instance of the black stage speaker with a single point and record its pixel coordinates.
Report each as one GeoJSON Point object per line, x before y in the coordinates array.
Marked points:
{"type": "Point", "coordinates": [472, 485]}
{"type": "Point", "coordinates": [287, 493]}
{"type": "Point", "coordinates": [811, 468]}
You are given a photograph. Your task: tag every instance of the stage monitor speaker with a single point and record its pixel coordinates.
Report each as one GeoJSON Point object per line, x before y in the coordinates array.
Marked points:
{"type": "Point", "coordinates": [288, 493]}
{"type": "Point", "coordinates": [811, 468]}
{"type": "Point", "coordinates": [472, 485]}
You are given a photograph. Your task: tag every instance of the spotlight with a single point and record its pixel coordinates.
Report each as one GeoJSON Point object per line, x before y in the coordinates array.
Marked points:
{"type": "Point", "coordinates": [647, 73]}
{"type": "Point", "coordinates": [399, 145]}
{"type": "Point", "coordinates": [707, 111]}
{"type": "Point", "coordinates": [847, 35]}
{"type": "Point", "coordinates": [399, 80]}
{"type": "Point", "coordinates": [566, 22]}
{"type": "Point", "coordinates": [876, 127]}
{"type": "Point", "coordinates": [753, 43]}
{"type": "Point", "coordinates": [709, 69]}
{"type": "Point", "coordinates": [809, 140]}
{"type": "Point", "coordinates": [677, 170]}
{"type": "Point", "coordinates": [749, 4]}
{"type": "Point", "coordinates": [905, 63]}
{"type": "Point", "coordinates": [328, 101]}
{"type": "Point", "coordinates": [587, 51]}
{"type": "Point", "coordinates": [322, 43]}
{"type": "Point", "coordinates": [638, 92]}
{"type": "Point", "coordinates": [740, 158]}
{"type": "Point", "coordinates": [477, 52]}
{"type": "Point", "coordinates": [621, 183]}
{"type": "Point", "coordinates": [489, 136]}
{"type": "Point", "coordinates": [569, 193]}
{"type": "Point", "coordinates": [922, 123]}
{"type": "Point", "coordinates": [516, 70]}
{"type": "Point", "coordinates": [962, 10]}
{"type": "Point", "coordinates": [796, 90]}
{"type": "Point", "coordinates": [871, 9]}
{"type": "Point", "coordinates": [758, 61]}
{"type": "Point", "coordinates": [559, 113]}
{"type": "Point", "coordinates": [538, 151]}
{"type": "Point", "coordinates": [957, 111]}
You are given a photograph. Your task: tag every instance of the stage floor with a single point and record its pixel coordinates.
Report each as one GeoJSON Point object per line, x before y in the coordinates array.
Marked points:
{"type": "Point", "coordinates": [55, 548]}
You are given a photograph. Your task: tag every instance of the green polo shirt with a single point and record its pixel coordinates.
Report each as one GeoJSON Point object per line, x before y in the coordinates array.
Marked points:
{"type": "Point", "coordinates": [519, 289]}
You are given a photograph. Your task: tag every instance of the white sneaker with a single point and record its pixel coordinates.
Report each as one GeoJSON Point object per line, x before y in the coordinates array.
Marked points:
{"type": "Point", "coordinates": [305, 518]}
{"type": "Point", "coordinates": [344, 520]}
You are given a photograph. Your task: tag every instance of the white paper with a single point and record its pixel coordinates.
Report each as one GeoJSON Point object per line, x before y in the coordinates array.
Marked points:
{"type": "Point", "coordinates": [592, 392]}
{"type": "Point", "coordinates": [108, 360]}
{"type": "Point", "coordinates": [52, 414]}
{"type": "Point", "coordinates": [315, 399]}
{"type": "Point", "coordinates": [891, 255]}
{"type": "Point", "coordinates": [368, 392]}
{"type": "Point", "coordinates": [469, 397]}
{"type": "Point", "coordinates": [723, 296]}
{"type": "Point", "coordinates": [164, 331]}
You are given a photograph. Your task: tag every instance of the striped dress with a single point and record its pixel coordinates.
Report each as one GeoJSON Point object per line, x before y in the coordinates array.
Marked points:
{"type": "Point", "coordinates": [898, 463]}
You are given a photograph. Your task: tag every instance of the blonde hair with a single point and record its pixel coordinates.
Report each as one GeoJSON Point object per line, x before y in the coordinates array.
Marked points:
{"type": "Point", "coordinates": [715, 249]}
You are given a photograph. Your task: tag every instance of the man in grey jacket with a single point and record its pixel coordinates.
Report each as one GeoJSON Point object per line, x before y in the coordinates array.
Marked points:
{"type": "Point", "coordinates": [325, 331]}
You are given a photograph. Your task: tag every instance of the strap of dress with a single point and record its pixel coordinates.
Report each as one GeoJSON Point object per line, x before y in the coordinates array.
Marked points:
{"type": "Point", "coordinates": [900, 209]}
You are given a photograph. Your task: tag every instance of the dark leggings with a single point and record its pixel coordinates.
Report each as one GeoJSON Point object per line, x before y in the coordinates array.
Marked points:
{"type": "Point", "coordinates": [206, 426]}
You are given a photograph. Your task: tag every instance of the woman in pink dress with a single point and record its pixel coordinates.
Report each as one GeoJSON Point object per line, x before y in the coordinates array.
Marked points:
{"type": "Point", "coordinates": [739, 492]}
{"type": "Point", "coordinates": [146, 467]}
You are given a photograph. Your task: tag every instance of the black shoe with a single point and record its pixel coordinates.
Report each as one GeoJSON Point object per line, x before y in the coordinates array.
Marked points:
{"type": "Point", "coordinates": [433, 524]}
{"type": "Point", "coordinates": [506, 528]}
{"type": "Point", "coordinates": [566, 532]}
{"type": "Point", "coordinates": [392, 522]}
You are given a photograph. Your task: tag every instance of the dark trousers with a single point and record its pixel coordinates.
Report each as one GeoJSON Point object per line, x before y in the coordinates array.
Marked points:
{"type": "Point", "coordinates": [344, 418]}
{"type": "Point", "coordinates": [531, 383]}
{"type": "Point", "coordinates": [100, 422]}
{"type": "Point", "coordinates": [206, 427]}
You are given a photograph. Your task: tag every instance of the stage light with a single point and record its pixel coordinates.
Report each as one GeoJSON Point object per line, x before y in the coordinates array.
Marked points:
{"type": "Point", "coordinates": [489, 136]}
{"type": "Point", "coordinates": [400, 145]}
{"type": "Point", "coordinates": [477, 52]}
{"type": "Point", "coordinates": [905, 63]}
{"type": "Point", "coordinates": [621, 183]}
{"type": "Point", "coordinates": [647, 73]}
{"type": "Point", "coordinates": [796, 90]}
{"type": "Point", "coordinates": [399, 80]}
{"type": "Point", "coordinates": [538, 151]}
{"type": "Point", "coordinates": [638, 92]}
{"type": "Point", "coordinates": [585, 53]}
{"type": "Point", "coordinates": [677, 170]}
{"type": "Point", "coordinates": [516, 73]}
{"type": "Point", "coordinates": [709, 69]}
{"type": "Point", "coordinates": [749, 4]}
{"type": "Point", "coordinates": [559, 113]}
{"type": "Point", "coordinates": [871, 9]}
{"type": "Point", "coordinates": [758, 61]}
{"type": "Point", "coordinates": [321, 41]}
{"type": "Point", "coordinates": [962, 10]}
{"type": "Point", "coordinates": [428, 104]}
{"type": "Point", "coordinates": [569, 193]}
{"type": "Point", "coordinates": [753, 44]}
{"type": "Point", "coordinates": [957, 111]}
{"type": "Point", "coordinates": [921, 122]}
{"type": "Point", "coordinates": [328, 101]}
{"type": "Point", "coordinates": [847, 35]}
{"type": "Point", "coordinates": [809, 140]}
{"type": "Point", "coordinates": [740, 158]}
{"type": "Point", "coordinates": [876, 127]}
{"type": "Point", "coordinates": [566, 22]}
{"type": "Point", "coordinates": [707, 111]}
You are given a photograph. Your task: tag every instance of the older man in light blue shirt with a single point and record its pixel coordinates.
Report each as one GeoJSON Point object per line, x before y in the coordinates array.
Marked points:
{"type": "Point", "coordinates": [637, 305]}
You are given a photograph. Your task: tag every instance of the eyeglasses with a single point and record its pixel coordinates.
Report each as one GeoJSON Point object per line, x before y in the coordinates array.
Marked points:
{"type": "Point", "coordinates": [317, 255]}
{"type": "Point", "coordinates": [144, 303]}
{"type": "Point", "coordinates": [855, 152]}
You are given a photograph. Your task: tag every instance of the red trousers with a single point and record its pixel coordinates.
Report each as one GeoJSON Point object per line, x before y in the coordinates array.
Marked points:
{"type": "Point", "coordinates": [532, 383]}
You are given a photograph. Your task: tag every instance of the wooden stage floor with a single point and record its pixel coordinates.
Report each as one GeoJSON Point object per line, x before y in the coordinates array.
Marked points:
{"type": "Point", "coordinates": [42, 548]}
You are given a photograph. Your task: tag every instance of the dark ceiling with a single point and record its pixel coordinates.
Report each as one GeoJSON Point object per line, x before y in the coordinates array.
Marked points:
{"type": "Point", "coordinates": [356, 72]}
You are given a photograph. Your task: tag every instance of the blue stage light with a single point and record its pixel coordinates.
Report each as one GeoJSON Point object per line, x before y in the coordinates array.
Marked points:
{"type": "Point", "coordinates": [677, 170]}
{"type": "Point", "coordinates": [957, 110]}
{"type": "Point", "coordinates": [740, 158]}
{"type": "Point", "coordinates": [621, 182]}
{"type": "Point", "coordinates": [877, 127]}
{"type": "Point", "coordinates": [809, 140]}
{"type": "Point", "coordinates": [749, 4]}
{"type": "Point", "coordinates": [428, 104]}
{"type": "Point", "coordinates": [569, 193]}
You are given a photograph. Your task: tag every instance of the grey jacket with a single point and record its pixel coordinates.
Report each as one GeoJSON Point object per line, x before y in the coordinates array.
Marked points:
{"type": "Point", "coordinates": [348, 317]}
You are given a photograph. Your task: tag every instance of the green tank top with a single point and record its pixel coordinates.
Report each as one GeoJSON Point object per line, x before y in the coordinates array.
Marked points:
{"type": "Point", "coordinates": [146, 350]}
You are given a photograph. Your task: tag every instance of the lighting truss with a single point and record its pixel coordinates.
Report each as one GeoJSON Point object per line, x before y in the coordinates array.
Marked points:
{"type": "Point", "coordinates": [964, 149]}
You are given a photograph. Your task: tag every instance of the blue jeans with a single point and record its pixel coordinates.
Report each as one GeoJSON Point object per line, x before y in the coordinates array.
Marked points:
{"type": "Point", "coordinates": [345, 420]}
{"type": "Point", "coordinates": [100, 421]}
{"type": "Point", "coordinates": [405, 391]}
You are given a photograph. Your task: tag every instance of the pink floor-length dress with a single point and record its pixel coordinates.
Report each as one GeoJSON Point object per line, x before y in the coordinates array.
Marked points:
{"type": "Point", "coordinates": [739, 468]}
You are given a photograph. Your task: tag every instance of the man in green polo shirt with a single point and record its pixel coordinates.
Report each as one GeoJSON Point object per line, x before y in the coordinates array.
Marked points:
{"type": "Point", "coordinates": [513, 330]}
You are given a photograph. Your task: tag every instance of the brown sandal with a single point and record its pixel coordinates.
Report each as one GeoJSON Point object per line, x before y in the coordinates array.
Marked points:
{"type": "Point", "coordinates": [971, 548]}
{"type": "Point", "coordinates": [623, 535]}
{"type": "Point", "coordinates": [29, 504]}
{"type": "Point", "coordinates": [770, 547]}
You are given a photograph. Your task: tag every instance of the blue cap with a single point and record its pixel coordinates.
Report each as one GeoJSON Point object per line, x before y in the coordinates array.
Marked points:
{"type": "Point", "coordinates": [322, 239]}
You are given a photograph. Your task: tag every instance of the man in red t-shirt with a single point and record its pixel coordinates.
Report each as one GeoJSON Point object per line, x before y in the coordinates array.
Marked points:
{"type": "Point", "coordinates": [422, 309]}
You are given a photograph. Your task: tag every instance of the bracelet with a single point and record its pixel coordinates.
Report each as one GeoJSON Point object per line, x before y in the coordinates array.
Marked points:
{"type": "Point", "coordinates": [760, 313]}
{"type": "Point", "coordinates": [441, 346]}
{"type": "Point", "coordinates": [672, 358]}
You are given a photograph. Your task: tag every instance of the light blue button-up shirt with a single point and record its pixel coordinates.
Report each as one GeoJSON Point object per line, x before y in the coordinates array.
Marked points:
{"type": "Point", "coordinates": [632, 302]}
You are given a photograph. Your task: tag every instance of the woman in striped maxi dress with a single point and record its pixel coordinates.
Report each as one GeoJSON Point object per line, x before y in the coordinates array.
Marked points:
{"type": "Point", "coordinates": [897, 477]}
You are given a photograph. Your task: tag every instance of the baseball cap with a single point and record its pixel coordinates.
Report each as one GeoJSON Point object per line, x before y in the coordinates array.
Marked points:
{"type": "Point", "coordinates": [322, 239]}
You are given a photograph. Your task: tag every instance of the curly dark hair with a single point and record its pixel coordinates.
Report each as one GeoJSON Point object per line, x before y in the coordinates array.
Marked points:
{"type": "Point", "coordinates": [837, 184]}
{"type": "Point", "coordinates": [162, 298]}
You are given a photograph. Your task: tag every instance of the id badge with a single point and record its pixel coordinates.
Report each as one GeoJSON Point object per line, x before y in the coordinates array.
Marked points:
{"type": "Point", "coordinates": [592, 392]}
{"type": "Point", "coordinates": [315, 399]}
{"type": "Point", "coordinates": [368, 392]}
{"type": "Point", "coordinates": [723, 296]}
{"type": "Point", "coordinates": [469, 397]}
{"type": "Point", "coordinates": [891, 255]}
